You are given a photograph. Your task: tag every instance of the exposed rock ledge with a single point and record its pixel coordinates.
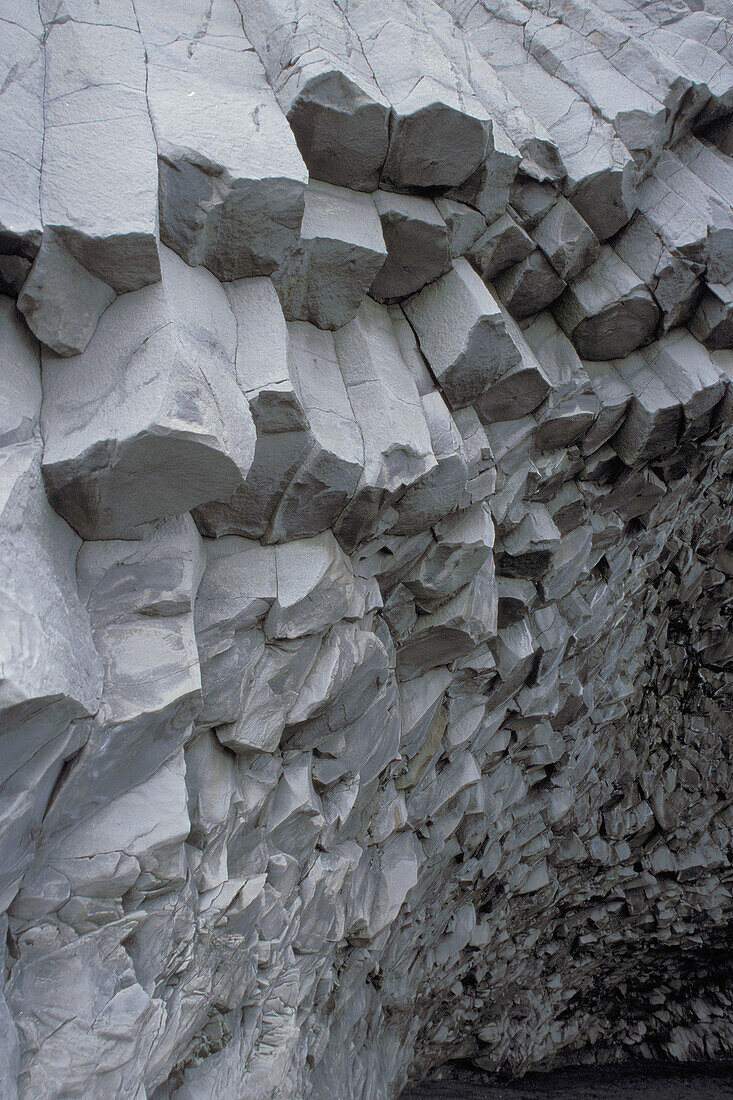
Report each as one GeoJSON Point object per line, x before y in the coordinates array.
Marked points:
{"type": "Point", "coordinates": [367, 542]}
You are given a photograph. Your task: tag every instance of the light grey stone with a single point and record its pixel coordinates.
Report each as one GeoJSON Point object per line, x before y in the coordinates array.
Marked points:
{"type": "Point", "coordinates": [314, 587]}
{"type": "Point", "coordinates": [465, 225]}
{"type": "Point", "coordinates": [315, 63]}
{"type": "Point", "coordinates": [518, 390]}
{"type": "Point", "coordinates": [418, 245]}
{"type": "Point", "coordinates": [529, 286]}
{"type": "Point", "coordinates": [463, 544]}
{"type": "Point", "coordinates": [20, 381]}
{"type": "Point", "coordinates": [463, 334]}
{"type": "Point", "coordinates": [566, 239]}
{"type": "Point", "coordinates": [523, 129]}
{"type": "Point", "coordinates": [689, 216]}
{"type": "Point", "coordinates": [440, 131]}
{"type": "Point", "coordinates": [673, 281]}
{"type": "Point", "coordinates": [639, 119]}
{"type": "Point", "coordinates": [100, 205]}
{"type": "Point", "coordinates": [52, 674]}
{"type": "Point", "coordinates": [712, 322]}
{"type": "Point", "coordinates": [432, 723]}
{"type": "Point", "coordinates": [263, 372]}
{"type": "Point", "coordinates": [441, 490]}
{"type": "Point", "coordinates": [647, 66]}
{"type": "Point", "coordinates": [607, 311]}
{"type": "Point", "coordinates": [687, 371]}
{"type": "Point", "coordinates": [22, 63]}
{"type": "Point", "coordinates": [232, 181]}
{"type": "Point", "coordinates": [572, 406]}
{"type": "Point", "coordinates": [61, 301]}
{"type": "Point", "coordinates": [329, 473]}
{"type": "Point", "coordinates": [142, 398]}
{"type": "Point", "coordinates": [397, 449]}
{"type": "Point", "coordinates": [502, 245]}
{"type": "Point", "coordinates": [613, 400]}
{"type": "Point", "coordinates": [341, 249]}
{"type": "Point", "coordinates": [654, 417]}
{"type": "Point", "coordinates": [600, 171]}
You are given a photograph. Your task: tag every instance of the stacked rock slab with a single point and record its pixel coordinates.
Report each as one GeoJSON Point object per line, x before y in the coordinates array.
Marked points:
{"type": "Point", "coordinates": [366, 424]}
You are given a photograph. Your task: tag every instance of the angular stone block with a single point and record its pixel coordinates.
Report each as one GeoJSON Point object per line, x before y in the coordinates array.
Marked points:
{"type": "Point", "coordinates": [529, 286]}
{"type": "Point", "coordinates": [22, 64]}
{"type": "Point", "coordinates": [62, 301]}
{"type": "Point", "coordinates": [103, 207]}
{"type": "Point", "coordinates": [441, 490]}
{"type": "Point", "coordinates": [653, 419]}
{"type": "Point", "coordinates": [607, 312]}
{"type": "Point", "coordinates": [439, 130]}
{"type": "Point", "coordinates": [145, 400]}
{"type": "Point", "coordinates": [688, 372]}
{"type": "Point", "coordinates": [330, 470]}
{"type": "Point", "coordinates": [341, 248]}
{"type": "Point", "coordinates": [502, 245]}
{"type": "Point", "coordinates": [52, 674]}
{"type": "Point", "coordinates": [315, 63]}
{"type": "Point", "coordinates": [465, 225]}
{"type": "Point", "coordinates": [566, 239]}
{"type": "Point", "coordinates": [463, 334]}
{"type": "Point", "coordinates": [674, 282]}
{"type": "Point", "coordinates": [418, 244]}
{"type": "Point", "coordinates": [232, 181]}
{"type": "Point", "coordinates": [397, 450]}
{"type": "Point", "coordinates": [263, 373]}
{"type": "Point", "coordinates": [712, 322]}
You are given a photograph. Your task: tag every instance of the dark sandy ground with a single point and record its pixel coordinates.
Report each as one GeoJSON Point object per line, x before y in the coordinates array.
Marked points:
{"type": "Point", "coordinates": [714, 1082]}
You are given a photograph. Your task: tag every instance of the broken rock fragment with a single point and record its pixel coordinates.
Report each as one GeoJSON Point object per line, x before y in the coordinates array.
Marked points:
{"type": "Point", "coordinates": [439, 130]}
{"type": "Point", "coordinates": [62, 301]}
{"type": "Point", "coordinates": [463, 334]}
{"type": "Point", "coordinates": [607, 311]}
{"type": "Point", "coordinates": [148, 394]}
{"type": "Point", "coordinates": [341, 248]}
{"type": "Point", "coordinates": [418, 243]}
{"type": "Point", "coordinates": [397, 449]}
{"type": "Point", "coordinates": [101, 206]}
{"type": "Point", "coordinates": [263, 373]}
{"type": "Point", "coordinates": [316, 65]}
{"type": "Point", "coordinates": [232, 181]}
{"type": "Point", "coordinates": [529, 286]}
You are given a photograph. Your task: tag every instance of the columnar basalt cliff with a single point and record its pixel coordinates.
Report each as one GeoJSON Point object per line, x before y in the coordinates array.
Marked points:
{"type": "Point", "coordinates": [367, 541]}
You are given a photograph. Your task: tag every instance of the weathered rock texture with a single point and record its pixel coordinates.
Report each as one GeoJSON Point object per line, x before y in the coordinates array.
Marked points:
{"type": "Point", "coordinates": [367, 537]}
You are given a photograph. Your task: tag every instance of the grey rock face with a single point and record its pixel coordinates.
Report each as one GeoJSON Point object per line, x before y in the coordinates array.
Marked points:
{"type": "Point", "coordinates": [366, 424]}
{"type": "Point", "coordinates": [157, 390]}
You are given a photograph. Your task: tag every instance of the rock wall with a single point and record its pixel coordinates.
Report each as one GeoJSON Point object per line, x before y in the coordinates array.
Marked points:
{"type": "Point", "coordinates": [367, 541]}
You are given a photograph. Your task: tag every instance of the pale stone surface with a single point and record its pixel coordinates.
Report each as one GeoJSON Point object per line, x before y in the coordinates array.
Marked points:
{"type": "Point", "coordinates": [463, 334]}
{"type": "Point", "coordinates": [232, 180]}
{"type": "Point", "coordinates": [61, 301]}
{"type": "Point", "coordinates": [529, 286]}
{"type": "Point", "coordinates": [327, 274]}
{"type": "Point", "coordinates": [153, 405]}
{"type": "Point", "coordinates": [502, 245]}
{"type": "Point", "coordinates": [101, 205]}
{"type": "Point", "coordinates": [22, 63]}
{"type": "Point", "coordinates": [263, 373]}
{"type": "Point", "coordinates": [418, 243]}
{"type": "Point", "coordinates": [440, 130]}
{"type": "Point", "coordinates": [379, 718]}
{"type": "Point", "coordinates": [607, 311]}
{"type": "Point", "coordinates": [315, 62]}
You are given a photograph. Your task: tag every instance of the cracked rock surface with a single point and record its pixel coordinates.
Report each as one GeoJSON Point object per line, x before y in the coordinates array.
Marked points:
{"type": "Point", "coordinates": [366, 500]}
